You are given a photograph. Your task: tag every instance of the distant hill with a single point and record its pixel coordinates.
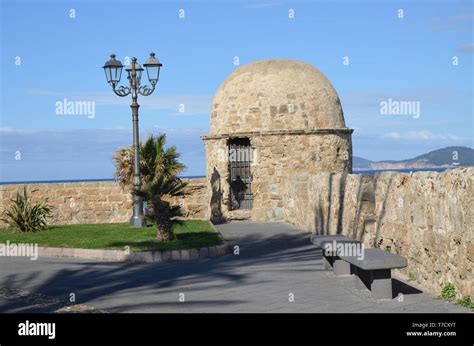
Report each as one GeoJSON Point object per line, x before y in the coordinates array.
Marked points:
{"type": "Point", "coordinates": [445, 157]}
{"type": "Point", "coordinates": [360, 163]}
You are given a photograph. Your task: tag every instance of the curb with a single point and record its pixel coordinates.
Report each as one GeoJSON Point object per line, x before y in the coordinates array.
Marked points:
{"type": "Point", "coordinates": [229, 244]}
{"type": "Point", "coordinates": [138, 256]}
{"type": "Point", "coordinates": [142, 256]}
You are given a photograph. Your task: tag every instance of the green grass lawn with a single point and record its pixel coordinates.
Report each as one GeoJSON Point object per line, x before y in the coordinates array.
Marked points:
{"type": "Point", "coordinates": [116, 236]}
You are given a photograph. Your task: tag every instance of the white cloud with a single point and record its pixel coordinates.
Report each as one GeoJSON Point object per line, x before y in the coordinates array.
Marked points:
{"type": "Point", "coordinates": [194, 104]}
{"type": "Point", "coordinates": [458, 23]}
{"type": "Point", "coordinates": [84, 153]}
{"type": "Point", "coordinates": [262, 5]}
{"type": "Point", "coordinates": [422, 136]}
{"type": "Point", "coordinates": [393, 135]}
{"type": "Point", "coordinates": [11, 130]}
{"type": "Point", "coordinates": [466, 48]}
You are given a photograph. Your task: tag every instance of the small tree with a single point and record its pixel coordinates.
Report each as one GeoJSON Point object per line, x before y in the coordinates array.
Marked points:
{"type": "Point", "coordinates": [159, 170]}
{"type": "Point", "coordinates": [160, 211]}
{"type": "Point", "coordinates": [24, 216]}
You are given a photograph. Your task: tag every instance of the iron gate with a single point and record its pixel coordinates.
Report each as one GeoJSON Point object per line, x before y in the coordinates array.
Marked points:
{"type": "Point", "coordinates": [240, 159]}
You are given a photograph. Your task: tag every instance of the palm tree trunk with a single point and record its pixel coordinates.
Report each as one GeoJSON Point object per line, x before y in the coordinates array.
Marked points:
{"type": "Point", "coordinates": [164, 226]}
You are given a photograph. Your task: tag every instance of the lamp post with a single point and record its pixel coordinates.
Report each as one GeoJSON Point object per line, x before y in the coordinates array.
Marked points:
{"type": "Point", "coordinates": [113, 71]}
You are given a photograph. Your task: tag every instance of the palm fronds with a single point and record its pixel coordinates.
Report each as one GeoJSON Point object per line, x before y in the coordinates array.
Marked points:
{"type": "Point", "coordinates": [159, 171]}
{"type": "Point", "coordinates": [155, 160]}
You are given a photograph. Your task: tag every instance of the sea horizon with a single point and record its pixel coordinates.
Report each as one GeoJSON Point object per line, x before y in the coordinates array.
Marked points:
{"type": "Point", "coordinates": [369, 171]}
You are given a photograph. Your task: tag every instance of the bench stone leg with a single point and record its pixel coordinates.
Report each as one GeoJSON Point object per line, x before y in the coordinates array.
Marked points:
{"type": "Point", "coordinates": [341, 268]}
{"type": "Point", "coordinates": [327, 263]}
{"type": "Point", "coordinates": [361, 279]}
{"type": "Point", "coordinates": [381, 284]}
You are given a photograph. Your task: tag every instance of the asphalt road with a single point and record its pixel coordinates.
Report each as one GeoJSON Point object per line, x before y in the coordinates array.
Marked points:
{"type": "Point", "coordinates": [277, 270]}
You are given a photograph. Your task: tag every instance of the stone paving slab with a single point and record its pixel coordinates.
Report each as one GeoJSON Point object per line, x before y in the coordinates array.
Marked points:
{"type": "Point", "coordinates": [275, 259]}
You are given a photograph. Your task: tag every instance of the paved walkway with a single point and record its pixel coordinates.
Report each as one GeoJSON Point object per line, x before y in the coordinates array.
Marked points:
{"type": "Point", "coordinates": [276, 260]}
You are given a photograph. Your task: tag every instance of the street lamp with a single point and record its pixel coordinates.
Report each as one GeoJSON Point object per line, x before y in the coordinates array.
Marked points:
{"type": "Point", "coordinates": [113, 71]}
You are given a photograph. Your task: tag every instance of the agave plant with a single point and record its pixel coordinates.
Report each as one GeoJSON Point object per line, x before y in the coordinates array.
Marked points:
{"type": "Point", "coordinates": [155, 160]}
{"type": "Point", "coordinates": [26, 217]}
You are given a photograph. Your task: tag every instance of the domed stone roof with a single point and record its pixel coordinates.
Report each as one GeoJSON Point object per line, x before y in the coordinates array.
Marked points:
{"type": "Point", "coordinates": [275, 95]}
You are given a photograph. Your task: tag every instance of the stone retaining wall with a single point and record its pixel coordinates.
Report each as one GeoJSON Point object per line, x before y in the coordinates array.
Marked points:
{"type": "Point", "coordinates": [138, 256]}
{"type": "Point", "coordinates": [426, 217]}
{"type": "Point", "coordinates": [100, 202]}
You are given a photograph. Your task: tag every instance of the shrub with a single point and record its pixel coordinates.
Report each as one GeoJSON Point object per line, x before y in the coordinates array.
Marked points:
{"type": "Point", "coordinates": [23, 216]}
{"type": "Point", "coordinates": [449, 292]}
{"type": "Point", "coordinates": [466, 302]}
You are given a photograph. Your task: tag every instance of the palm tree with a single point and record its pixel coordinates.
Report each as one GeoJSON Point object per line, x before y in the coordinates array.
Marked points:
{"type": "Point", "coordinates": [160, 211]}
{"type": "Point", "coordinates": [155, 160]}
{"type": "Point", "coordinates": [159, 170]}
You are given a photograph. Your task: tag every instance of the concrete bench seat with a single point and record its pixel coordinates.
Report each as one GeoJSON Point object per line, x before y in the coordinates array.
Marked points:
{"type": "Point", "coordinates": [373, 272]}
{"type": "Point", "coordinates": [333, 261]}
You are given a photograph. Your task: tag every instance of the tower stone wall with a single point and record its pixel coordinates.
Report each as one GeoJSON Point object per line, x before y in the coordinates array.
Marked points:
{"type": "Point", "coordinates": [292, 116]}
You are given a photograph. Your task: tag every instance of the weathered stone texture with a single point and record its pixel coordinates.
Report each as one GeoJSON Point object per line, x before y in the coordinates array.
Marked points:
{"type": "Point", "coordinates": [101, 202]}
{"type": "Point", "coordinates": [276, 157]}
{"type": "Point", "coordinates": [293, 118]}
{"type": "Point", "coordinates": [195, 201]}
{"type": "Point", "coordinates": [276, 94]}
{"type": "Point", "coordinates": [426, 217]}
{"type": "Point", "coordinates": [74, 203]}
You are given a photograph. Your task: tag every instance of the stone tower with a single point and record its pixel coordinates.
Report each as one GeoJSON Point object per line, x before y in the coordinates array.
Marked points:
{"type": "Point", "coordinates": [269, 119]}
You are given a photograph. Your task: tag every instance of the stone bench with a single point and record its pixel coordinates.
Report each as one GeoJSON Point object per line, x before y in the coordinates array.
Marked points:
{"type": "Point", "coordinates": [374, 271]}
{"type": "Point", "coordinates": [332, 260]}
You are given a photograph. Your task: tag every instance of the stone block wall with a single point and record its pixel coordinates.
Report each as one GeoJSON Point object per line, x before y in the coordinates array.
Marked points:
{"type": "Point", "coordinates": [75, 203]}
{"type": "Point", "coordinates": [217, 172]}
{"type": "Point", "coordinates": [426, 217]}
{"type": "Point", "coordinates": [276, 156]}
{"type": "Point", "coordinates": [195, 203]}
{"type": "Point", "coordinates": [100, 202]}
{"type": "Point", "coordinates": [329, 203]}
{"type": "Point", "coordinates": [282, 156]}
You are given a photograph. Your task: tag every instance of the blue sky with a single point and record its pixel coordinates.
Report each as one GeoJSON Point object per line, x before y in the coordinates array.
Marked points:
{"type": "Point", "coordinates": [406, 59]}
